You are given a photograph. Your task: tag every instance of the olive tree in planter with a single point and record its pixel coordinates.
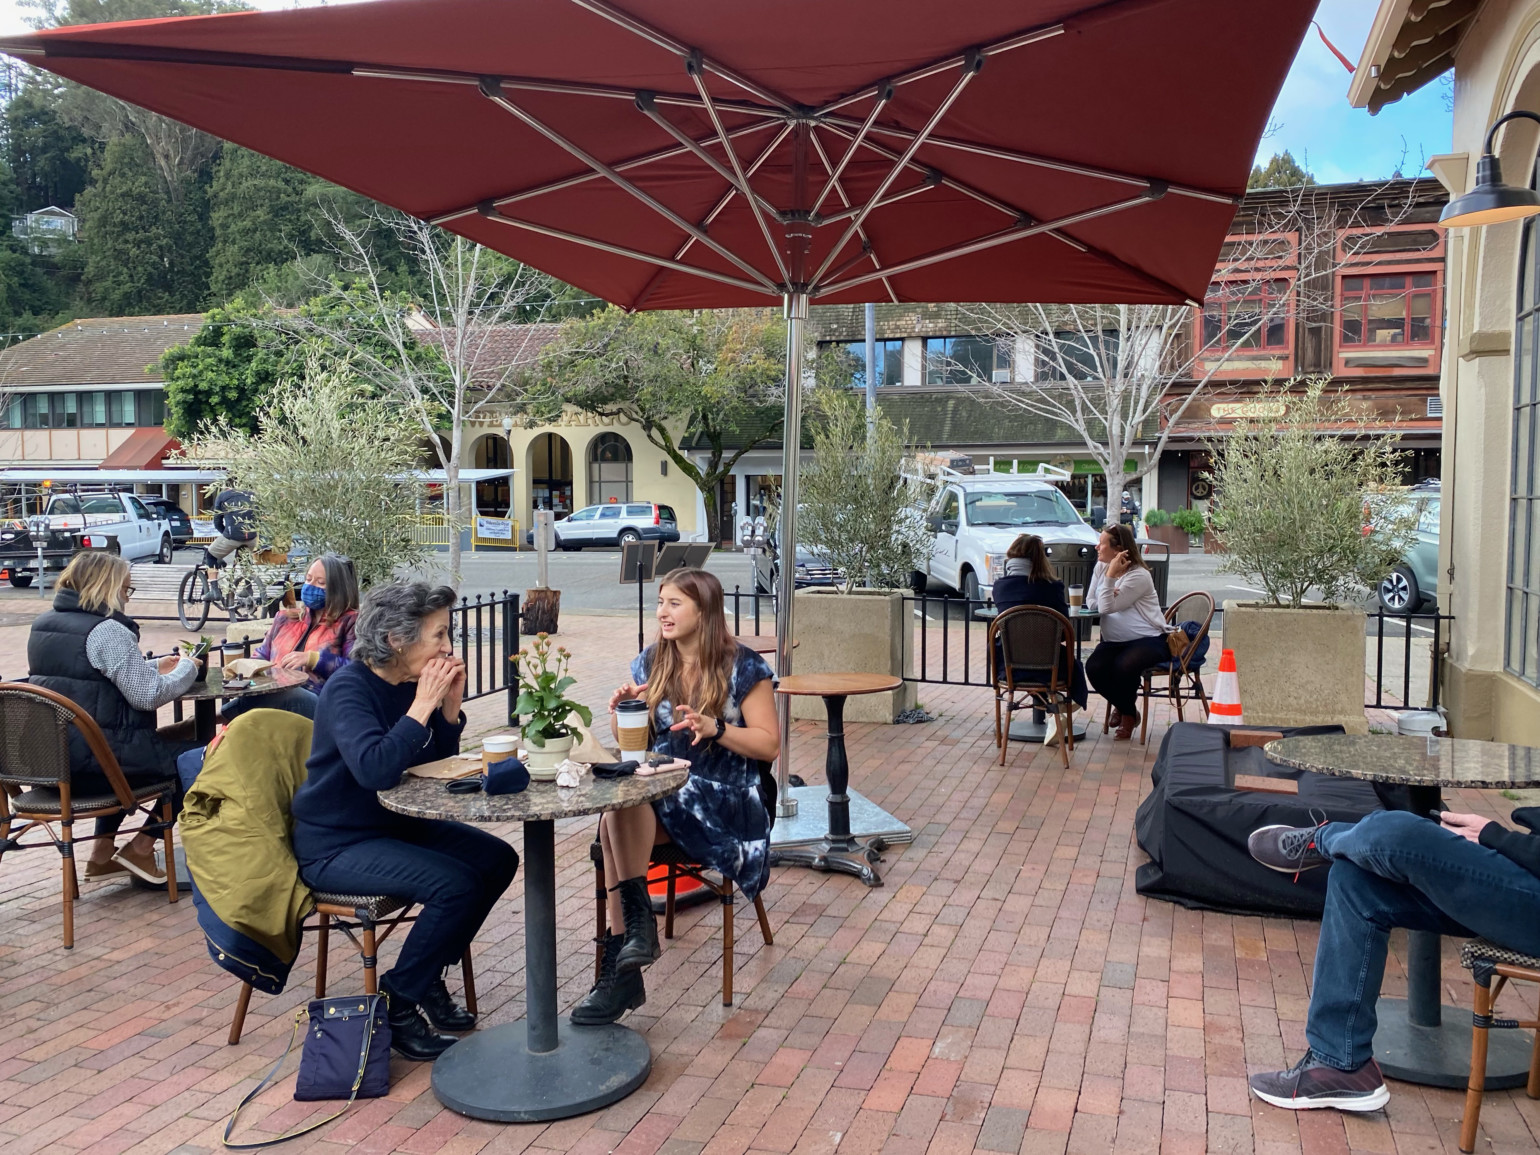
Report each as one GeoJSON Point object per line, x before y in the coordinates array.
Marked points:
{"type": "Point", "coordinates": [861, 513]}
{"type": "Point", "coordinates": [1290, 506]}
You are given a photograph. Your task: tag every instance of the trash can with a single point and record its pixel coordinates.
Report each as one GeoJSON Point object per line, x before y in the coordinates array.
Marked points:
{"type": "Point", "coordinates": [1421, 724]}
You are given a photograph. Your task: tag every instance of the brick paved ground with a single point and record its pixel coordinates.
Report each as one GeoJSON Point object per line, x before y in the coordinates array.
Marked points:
{"type": "Point", "coordinates": [1006, 990]}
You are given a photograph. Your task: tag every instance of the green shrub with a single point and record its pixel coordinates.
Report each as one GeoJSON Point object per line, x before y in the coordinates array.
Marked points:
{"type": "Point", "coordinates": [1156, 517]}
{"type": "Point", "coordinates": [1189, 521]}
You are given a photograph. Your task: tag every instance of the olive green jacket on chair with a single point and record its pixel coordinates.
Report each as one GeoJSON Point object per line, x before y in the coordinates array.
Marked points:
{"type": "Point", "coordinates": [237, 830]}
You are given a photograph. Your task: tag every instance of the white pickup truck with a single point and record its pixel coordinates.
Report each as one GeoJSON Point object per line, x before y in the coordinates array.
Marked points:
{"type": "Point", "coordinates": [975, 518]}
{"type": "Point", "coordinates": [130, 527]}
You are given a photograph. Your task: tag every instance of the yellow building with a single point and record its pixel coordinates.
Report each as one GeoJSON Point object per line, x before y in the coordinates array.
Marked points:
{"type": "Point", "coordinates": [1489, 552]}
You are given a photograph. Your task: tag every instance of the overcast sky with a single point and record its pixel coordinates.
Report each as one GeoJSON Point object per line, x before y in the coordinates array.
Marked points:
{"type": "Point", "coordinates": [1311, 119]}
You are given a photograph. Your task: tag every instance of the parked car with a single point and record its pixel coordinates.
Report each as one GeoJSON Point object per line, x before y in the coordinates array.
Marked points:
{"type": "Point", "coordinates": [117, 521]}
{"type": "Point", "coordinates": [976, 517]}
{"type": "Point", "coordinates": [1414, 581]}
{"type": "Point", "coordinates": [614, 524]}
{"type": "Point", "coordinates": [175, 516]}
{"type": "Point", "coordinates": [812, 569]}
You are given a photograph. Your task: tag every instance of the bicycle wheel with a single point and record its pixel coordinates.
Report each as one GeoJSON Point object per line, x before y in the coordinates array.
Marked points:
{"type": "Point", "coordinates": [245, 599]}
{"type": "Point", "coordinates": [192, 605]}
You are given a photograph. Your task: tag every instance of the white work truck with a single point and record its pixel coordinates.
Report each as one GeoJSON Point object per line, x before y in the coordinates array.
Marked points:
{"type": "Point", "coordinates": [976, 516]}
{"type": "Point", "coordinates": [103, 520]}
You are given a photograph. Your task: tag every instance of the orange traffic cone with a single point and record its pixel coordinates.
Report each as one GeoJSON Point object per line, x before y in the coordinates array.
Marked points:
{"type": "Point", "coordinates": [1225, 706]}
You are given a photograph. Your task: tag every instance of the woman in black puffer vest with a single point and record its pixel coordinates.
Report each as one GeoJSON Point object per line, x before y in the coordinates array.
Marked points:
{"type": "Point", "coordinates": [87, 649]}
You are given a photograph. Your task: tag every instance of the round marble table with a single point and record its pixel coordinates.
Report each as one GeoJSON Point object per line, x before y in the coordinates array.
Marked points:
{"type": "Point", "coordinates": [1415, 1041]}
{"type": "Point", "coordinates": [207, 694]}
{"type": "Point", "coordinates": [542, 1067]}
{"type": "Point", "coordinates": [839, 849]}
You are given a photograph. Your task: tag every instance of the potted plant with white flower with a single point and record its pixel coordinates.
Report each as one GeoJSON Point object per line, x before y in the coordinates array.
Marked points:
{"type": "Point", "coordinates": [545, 711]}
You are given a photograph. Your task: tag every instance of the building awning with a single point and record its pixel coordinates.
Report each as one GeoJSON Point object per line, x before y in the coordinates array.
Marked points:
{"type": "Point", "coordinates": [144, 449]}
{"type": "Point", "coordinates": [66, 476]}
{"type": "Point", "coordinates": [1411, 43]}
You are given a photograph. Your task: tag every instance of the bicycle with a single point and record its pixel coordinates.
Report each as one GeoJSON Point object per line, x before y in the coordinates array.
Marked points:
{"type": "Point", "coordinates": [240, 589]}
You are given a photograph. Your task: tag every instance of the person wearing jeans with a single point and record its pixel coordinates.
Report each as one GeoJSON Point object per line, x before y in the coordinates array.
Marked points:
{"type": "Point", "coordinates": [1462, 875]}
{"type": "Point", "coordinates": [394, 706]}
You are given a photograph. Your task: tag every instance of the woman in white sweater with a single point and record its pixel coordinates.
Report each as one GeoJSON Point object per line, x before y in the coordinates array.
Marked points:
{"type": "Point", "coordinates": [1133, 627]}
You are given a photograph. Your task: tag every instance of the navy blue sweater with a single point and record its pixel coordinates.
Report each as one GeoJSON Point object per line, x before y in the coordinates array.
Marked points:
{"type": "Point", "coordinates": [363, 744]}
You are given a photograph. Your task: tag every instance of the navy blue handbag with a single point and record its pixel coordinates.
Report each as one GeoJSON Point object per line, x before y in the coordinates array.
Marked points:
{"type": "Point", "coordinates": [346, 1055]}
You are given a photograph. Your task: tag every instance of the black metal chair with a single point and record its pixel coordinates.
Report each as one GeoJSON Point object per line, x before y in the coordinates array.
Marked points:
{"type": "Point", "coordinates": [35, 785]}
{"type": "Point", "coordinates": [1031, 651]}
{"type": "Point", "coordinates": [1486, 961]}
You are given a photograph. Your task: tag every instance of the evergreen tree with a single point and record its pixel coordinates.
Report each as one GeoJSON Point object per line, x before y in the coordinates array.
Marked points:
{"type": "Point", "coordinates": [1283, 171]}
{"type": "Point", "coordinates": [49, 159]}
{"type": "Point", "coordinates": [130, 235]}
{"type": "Point", "coordinates": [223, 374]}
{"type": "Point", "coordinates": [257, 214]}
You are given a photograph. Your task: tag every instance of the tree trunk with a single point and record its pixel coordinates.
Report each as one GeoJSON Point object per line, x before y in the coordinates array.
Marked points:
{"type": "Point", "coordinates": [541, 610]}
{"type": "Point", "coordinates": [713, 511]}
{"type": "Point", "coordinates": [452, 517]}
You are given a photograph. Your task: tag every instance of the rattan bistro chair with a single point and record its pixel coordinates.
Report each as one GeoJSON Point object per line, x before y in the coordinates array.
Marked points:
{"type": "Point", "coordinates": [1026, 647]}
{"type": "Point", "coordinates": [677, 865]}
{"type": "Point", "coordinates": [35, 785]}
{"type": "Point", "coordinates": [1184, 677]}
{"type": "Point", "coordinates": [1485, 961]}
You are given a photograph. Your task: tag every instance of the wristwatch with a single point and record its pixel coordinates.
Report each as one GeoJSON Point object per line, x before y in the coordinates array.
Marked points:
{"type": "Point", "coordinates": [721, 729]}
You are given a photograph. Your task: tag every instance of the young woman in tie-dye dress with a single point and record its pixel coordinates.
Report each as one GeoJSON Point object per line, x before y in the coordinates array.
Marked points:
{"type": "Point", "coordinates": [710, 701]}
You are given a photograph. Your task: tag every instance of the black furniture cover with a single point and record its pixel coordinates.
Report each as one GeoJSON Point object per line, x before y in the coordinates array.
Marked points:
{"type": "Point", "coordinates": [1194, 823]}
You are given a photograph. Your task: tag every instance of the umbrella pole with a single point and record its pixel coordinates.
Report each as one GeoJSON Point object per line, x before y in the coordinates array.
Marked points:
{"type": "Point", "coordinates": [791, 464]}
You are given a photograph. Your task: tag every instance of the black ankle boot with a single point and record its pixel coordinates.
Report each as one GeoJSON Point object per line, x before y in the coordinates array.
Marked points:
{"type": "Point", "coordinates": [641, 946]}
{"type": "Point", "coordinates": [614, 994]}
{"type": "Point", "coordinates": [443, 1012]}
{"type": "Point", "coordinates": [410, 1035]}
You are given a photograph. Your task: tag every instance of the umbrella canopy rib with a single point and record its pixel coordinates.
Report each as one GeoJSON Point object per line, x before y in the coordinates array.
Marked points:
{"type": "Point", "coordinates": [823, 159]}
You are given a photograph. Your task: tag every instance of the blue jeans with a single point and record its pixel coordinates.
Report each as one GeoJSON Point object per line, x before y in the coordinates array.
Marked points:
{"type": "Point", "coordinates": [296, 700]}
{"type": "Point", "coordinates": [1393, 869]}
{"type": "Point", "coordinates": [454, 871]}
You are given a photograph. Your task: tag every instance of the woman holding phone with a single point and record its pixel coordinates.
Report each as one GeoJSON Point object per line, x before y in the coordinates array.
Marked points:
{"type": "Point", "coordinates": [1133, 627]}
{"type": "Point", "coordinates": [709, 700]}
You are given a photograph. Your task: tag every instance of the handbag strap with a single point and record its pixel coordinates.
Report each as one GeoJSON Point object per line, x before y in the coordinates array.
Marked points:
{"type": "Point", "coordinates": [358, 1081]}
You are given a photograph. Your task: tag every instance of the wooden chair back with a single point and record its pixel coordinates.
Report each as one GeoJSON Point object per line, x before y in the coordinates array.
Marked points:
{"type": "Point", "coordinates": [1029, 638]}
{"type": "Point", "coordinates": [34, 743]}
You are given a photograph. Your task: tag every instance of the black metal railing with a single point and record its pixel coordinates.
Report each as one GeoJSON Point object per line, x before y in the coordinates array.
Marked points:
{"type": "Point", "coordinates": [759, 615]}
{"type": "Point", "coordinates": [951, 639]}
{"type": "Point", "coordinates": [1412, 628]}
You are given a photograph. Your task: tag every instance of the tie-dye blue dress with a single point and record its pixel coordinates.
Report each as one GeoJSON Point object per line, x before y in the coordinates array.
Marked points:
{"type": "Point", "coordinates": [717, 817]}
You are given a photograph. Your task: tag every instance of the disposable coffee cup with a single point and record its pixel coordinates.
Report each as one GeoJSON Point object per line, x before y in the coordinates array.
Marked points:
{"type": "Point", "coordinates": [1076, 597]}
{"type": "Point", "coordinates": [631, 726]}
{"type": "Point", "coordinates": [497, 748]}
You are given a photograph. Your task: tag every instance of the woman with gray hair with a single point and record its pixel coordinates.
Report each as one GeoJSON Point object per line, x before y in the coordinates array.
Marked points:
{"type": "Point", "coordinates": [396, 705]}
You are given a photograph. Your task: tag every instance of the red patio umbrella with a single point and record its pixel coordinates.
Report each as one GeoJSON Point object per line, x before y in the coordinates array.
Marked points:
{"type": "Point", "coordinates": [668, 154]}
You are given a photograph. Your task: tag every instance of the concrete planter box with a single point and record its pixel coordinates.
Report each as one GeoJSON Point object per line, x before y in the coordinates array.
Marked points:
{"type": "Point", "coordinates": [1298, 667]}
{"type": "Point", "coordinates": [863, 632]}
{"type": "Point", "coordinates": [1174, 539]}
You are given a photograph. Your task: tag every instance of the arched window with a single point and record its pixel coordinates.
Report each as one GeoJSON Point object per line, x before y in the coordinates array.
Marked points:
{"type": "Point", "coordinates": [609, 469]}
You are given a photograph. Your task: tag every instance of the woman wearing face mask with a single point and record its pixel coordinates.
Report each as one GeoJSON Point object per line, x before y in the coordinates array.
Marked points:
{"type": "Point", "coordinates": [315, 636]}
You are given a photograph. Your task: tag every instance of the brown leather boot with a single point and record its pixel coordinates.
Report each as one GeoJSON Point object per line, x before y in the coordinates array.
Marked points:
{"type": "Point", "coordinates": [1126, 724]}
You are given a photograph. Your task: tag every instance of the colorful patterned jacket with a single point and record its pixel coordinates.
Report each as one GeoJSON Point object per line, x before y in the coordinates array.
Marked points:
{"type": "Point", "coordinates": [332, 640]}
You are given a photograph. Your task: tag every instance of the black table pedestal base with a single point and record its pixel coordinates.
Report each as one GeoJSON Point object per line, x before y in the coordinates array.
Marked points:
{"type": "Point", "coordinates": [1026, 730]}
{"type": "Point", "coordinates": [843, 856]}
{"type": "Point", "coordinates": [492, 1074]}
{"type": "Point", "coordinates": [1440, 1056]}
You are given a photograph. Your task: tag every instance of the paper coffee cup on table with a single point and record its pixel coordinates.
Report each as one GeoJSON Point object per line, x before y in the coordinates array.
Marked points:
{"type": "Point", "coordinates": [1076, 596]}
{"type": "Point", "coordinates": [631, 720]}
{"type": "Point", "coordinates": [498, 747]}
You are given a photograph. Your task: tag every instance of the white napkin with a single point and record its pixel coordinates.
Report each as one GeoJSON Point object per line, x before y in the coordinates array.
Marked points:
{"type": "Point", "coordinates": [570, 773]}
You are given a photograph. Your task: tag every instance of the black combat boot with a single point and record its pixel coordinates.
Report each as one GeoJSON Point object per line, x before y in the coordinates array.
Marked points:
{"type": "Point", "coordinates": [410, 1035]}
{"type": "Point", "coordinates": [641, 946]}
{"type": "Point", "coordinates": [443, 1012]}
{"type": "Point", "coordinates": [614, 994]}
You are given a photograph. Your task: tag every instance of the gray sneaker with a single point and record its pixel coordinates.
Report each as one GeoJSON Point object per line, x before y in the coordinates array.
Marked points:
{"type": "Point", "coordinates": [1288, 849]}
{"type": "Point", "coordinates": [1310, 1084]}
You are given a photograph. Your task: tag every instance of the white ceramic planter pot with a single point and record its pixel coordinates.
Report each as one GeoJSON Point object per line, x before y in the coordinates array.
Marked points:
{"type": "Point", "coordinates": [1298, 667]}
{"type": "Point", "coordinates": [862, 632]}
{"type": "Point", "coordinates": [543, 760]}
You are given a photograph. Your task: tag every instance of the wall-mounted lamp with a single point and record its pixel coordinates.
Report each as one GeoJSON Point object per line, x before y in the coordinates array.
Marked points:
{"type": "Point", "coordinates": [1492, 202]}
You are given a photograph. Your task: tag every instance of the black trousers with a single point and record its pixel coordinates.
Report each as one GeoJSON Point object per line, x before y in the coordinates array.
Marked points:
{"type": "Point", "coordinates": [455, 872]}
{"type": "Point", "coordinates": [1114, 670]}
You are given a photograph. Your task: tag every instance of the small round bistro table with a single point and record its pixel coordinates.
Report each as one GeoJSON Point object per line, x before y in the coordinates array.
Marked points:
{"type": "Point", "coordinates": [540, 1068]}
{"type": "Point", "coordinates": [839, 849]}
{"type": "Point", "coordinates": [207, 694]}
{"type": "Point", "coordinates": [1029, 729]}
{"type": "Point", "coordinates": [1415, 1041]}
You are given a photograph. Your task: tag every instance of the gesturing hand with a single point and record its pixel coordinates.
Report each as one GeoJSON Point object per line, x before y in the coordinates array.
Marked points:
{"type": "Point", "coordinates": [701, 725]}
{"type": "Point", "coordinates": [1468, 826]}
{"type": "Point", "coordinates": [626, 693]}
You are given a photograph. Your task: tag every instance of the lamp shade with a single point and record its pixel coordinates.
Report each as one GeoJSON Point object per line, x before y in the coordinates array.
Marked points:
{"type": "Point", "coordinates": [1491, 202]}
